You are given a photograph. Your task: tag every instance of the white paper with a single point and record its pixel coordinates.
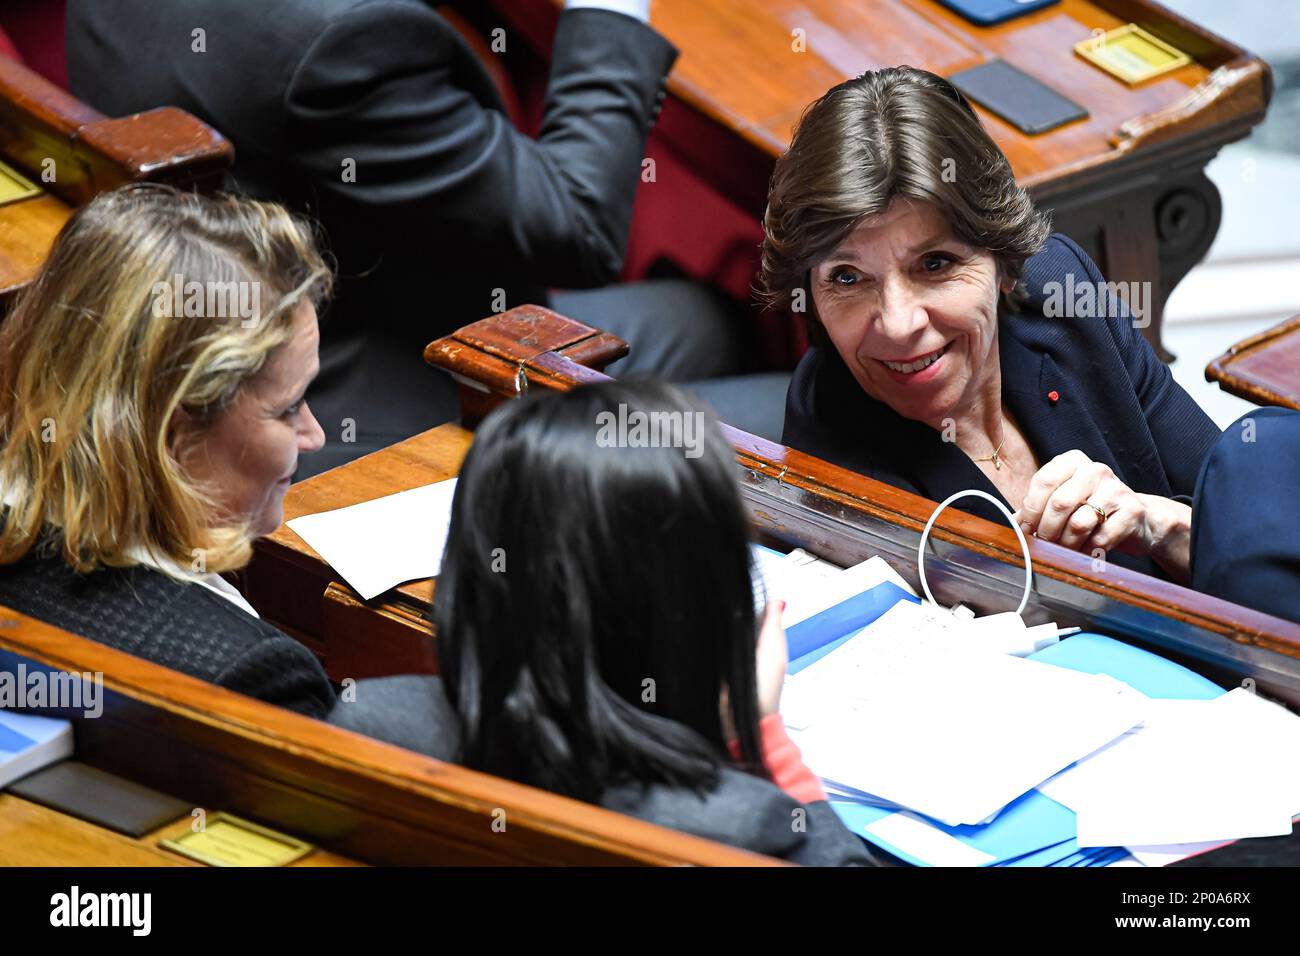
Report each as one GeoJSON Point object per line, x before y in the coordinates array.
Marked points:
{"type": "Point", "coordinates": [379, 544]}
{"type": "Point", "coordinates": [1196, 772]}
{"type": "Point", "coordinates": [908, 711]}
{"type": "Point", "coordinates": [809, 585]}
{"type": "Point", "coordinates": [1226, 810]}
{"type": "Point", "coordinates": [918, 838]}
{"type": "Point", "coordinates": [1171, 853]}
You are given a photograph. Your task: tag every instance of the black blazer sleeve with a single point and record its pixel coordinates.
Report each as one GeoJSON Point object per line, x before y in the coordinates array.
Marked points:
{"type": "Point", "coordinates": [1183, 433]}
{"type": "Point", "coordinates": [280, 671]}
{"type": "Point", "coordinates": [377, 87]}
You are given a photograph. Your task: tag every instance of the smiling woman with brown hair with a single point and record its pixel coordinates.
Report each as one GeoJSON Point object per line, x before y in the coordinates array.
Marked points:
{"type": "Point", "coordinates": [943, 364]}
{"type": "Point", "coordinates": [145, 446]}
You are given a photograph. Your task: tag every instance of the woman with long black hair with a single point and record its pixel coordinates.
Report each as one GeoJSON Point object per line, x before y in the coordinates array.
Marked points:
{"type": "Point", "coordinates": [598, 632]}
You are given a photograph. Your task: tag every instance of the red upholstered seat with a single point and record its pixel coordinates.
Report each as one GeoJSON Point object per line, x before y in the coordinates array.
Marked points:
{"type": "Point", "coordinates": [8, 49]}
{"type": "Point", "coordinates": [34, 37]}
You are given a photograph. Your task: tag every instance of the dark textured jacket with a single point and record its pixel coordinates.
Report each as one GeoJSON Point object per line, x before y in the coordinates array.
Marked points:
{"type": "Point", "coordinates": [182, 626]}
{"type": "Point", "coordinates": [742, 811]}
{"type": "Point", "coordinates": [449, 202]}
{"type": "Point", "coordinates": [1115, 401]}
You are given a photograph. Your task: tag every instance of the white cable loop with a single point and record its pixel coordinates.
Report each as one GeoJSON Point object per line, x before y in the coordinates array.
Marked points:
{"type": "Point", "coordinates": [1024, 545]}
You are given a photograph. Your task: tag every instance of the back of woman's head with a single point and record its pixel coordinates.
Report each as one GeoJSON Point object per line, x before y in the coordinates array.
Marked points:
{"type": "Point", "coordinates": [151, 301]}
{"type": "Point", "coordinates": [595, 596]}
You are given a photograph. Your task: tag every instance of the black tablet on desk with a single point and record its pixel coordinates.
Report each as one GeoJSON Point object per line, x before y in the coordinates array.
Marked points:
{"type": "Point", "coordinates": [1024, 102]}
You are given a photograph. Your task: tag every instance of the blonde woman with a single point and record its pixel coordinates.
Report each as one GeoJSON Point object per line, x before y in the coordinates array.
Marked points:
{"type": "Point", "coordinates": [151, 419]}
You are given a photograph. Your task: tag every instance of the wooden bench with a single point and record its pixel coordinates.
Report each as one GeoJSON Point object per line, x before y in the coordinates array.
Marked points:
{"type": "Point", "coordinates": [356, 798]}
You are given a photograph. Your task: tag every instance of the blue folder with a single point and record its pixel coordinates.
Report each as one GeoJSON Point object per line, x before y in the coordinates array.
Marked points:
{"type": "Point", "coordinates": [815, 637]}
{"type": "Point", "coordinates": [1024, 827]}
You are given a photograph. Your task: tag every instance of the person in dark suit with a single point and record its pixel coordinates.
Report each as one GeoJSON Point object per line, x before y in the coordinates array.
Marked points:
{"type": "Point", "coordinates": [1244, 547]}
{"type": "Point", "coordinates": [961, 346]}
{"type": "Point", "coordinates": [599, 635]}
{"type": "Point", "coordinates": [376, 118]}
{"type": "Point", "coordinates": [151, 404]}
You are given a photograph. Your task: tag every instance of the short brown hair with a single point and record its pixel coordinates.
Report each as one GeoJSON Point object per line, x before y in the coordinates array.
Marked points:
{"type": "Point", "coordinates": [889, 133]}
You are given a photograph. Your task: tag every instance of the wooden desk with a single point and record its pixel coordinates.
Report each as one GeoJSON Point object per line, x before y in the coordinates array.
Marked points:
{"type": "Point", "coordinates": [793, 500]}
{"type": "Point", "coordinates": [292, 586]}
{"type": "Point", "coordinates": [33, 835]}
{"type": "Point", "coordinates": [355, 798]}
{"type": "Point", "coordinates": [1127, 183]}
{"type": "Point", "coordinates": [1264, 369]}
{"type": "Point", "coordinates": [46, 131]}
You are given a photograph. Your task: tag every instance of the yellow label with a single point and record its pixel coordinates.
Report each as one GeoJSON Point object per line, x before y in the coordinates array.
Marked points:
{"type": "Point", "coordinates": [14, 186]}
{"type": "Point", "coordinates": [230, 841]}
{"type": "Point", "coordinates": [1131, 53]}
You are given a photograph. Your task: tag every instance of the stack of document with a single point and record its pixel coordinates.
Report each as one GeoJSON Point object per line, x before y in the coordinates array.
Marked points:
{"type": "Point", "coordinates": [908, 712]}
{"type": "Point", "coordinates": [897, 723]}
{"type": "Point", "coordinates": [1194, 772]}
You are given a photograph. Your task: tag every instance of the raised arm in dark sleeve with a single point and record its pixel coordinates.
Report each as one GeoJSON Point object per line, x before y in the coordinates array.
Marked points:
{"type": "Point", "coordinates": [381, 86]}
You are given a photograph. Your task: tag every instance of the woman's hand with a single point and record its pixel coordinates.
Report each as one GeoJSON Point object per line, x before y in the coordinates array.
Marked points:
{"type": "Point", "coordinates": [770, 659]}
{"type": "Point", "coordinates": [773, 656]}
{"type": "Point", "coordinates": [1080, 504]}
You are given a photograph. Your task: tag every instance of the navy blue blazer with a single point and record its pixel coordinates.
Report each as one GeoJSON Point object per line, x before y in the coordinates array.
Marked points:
{"type": "Point", "coordinates": [1244, 543]}
{"type": "Point", "coordinates": [1117, 403]}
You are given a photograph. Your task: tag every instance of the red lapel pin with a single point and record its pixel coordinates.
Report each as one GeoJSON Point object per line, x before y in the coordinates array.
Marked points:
{"type": "Point", "coordinates": [1053, 396]}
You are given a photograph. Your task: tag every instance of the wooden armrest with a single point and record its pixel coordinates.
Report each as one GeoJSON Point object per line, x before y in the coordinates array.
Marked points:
{"type": "Point", "coordinates": [395, 638]}
{"type": "Point", "coordinates": [91, 152]}
{"type": "Point", "coordinates": [529, 346]}
{"type": "Point", "coordinates": [1264, 368]}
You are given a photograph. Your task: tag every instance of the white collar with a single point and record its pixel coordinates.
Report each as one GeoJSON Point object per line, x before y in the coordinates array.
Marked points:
{"type": "Point", "coordinates": [208, 579]}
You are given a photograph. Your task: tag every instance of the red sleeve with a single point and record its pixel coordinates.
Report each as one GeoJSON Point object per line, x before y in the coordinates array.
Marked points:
{"type": "Point", "coordinates": [784, 761]}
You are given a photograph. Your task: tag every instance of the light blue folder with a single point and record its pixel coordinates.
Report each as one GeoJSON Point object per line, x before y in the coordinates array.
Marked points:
{"type": "Point", "coordinates": [1026, 826]}
{"type": "Point", "coordinates": [1142, 670]}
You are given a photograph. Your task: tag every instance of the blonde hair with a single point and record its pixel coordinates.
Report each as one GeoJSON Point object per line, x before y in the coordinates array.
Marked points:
{"type": "Point", "coordinates": [93, 364]}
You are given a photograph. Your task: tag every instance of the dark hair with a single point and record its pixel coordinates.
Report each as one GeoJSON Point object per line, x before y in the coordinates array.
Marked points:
{"type": "Point", "coordinates": [574, 574]}
{"type": "Point", "coordinates": [889, 133]}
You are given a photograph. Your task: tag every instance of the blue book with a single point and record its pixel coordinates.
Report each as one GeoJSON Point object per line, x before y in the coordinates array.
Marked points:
{"type": "Point", "coordinates": [29, 743]}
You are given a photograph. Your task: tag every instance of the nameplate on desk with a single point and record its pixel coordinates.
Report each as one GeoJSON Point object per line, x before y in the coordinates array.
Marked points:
{"type": "Point", "coordinates": [226, 840]}
{"type": "Point", "coordinates": [1131, 53]}
{"type": "Point", "coordinates": [14, 186]}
